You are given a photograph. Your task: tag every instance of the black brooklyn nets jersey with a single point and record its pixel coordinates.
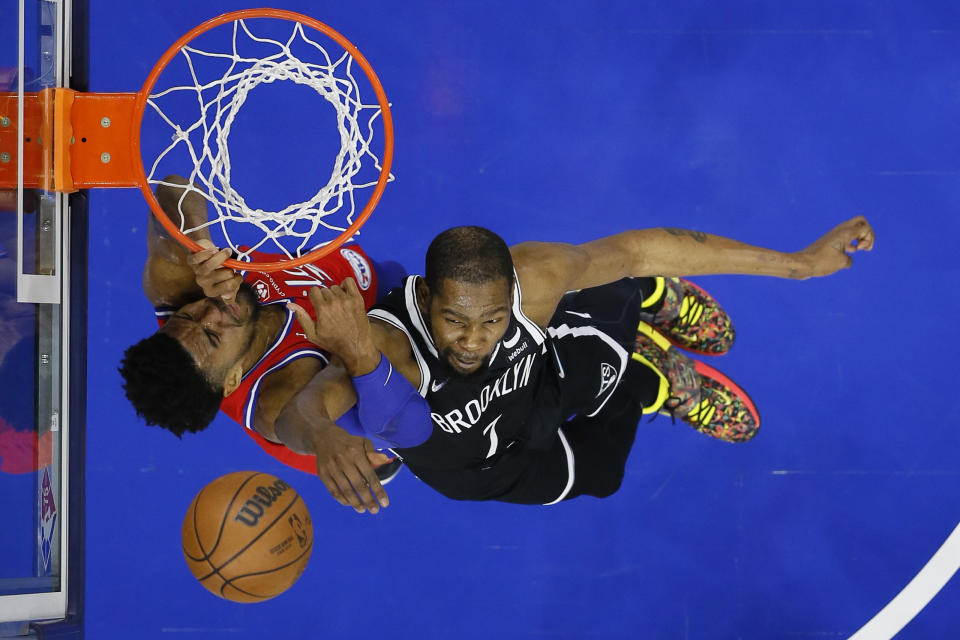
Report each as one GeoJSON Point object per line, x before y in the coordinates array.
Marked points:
{"type": "Point", "coordinates": [484, 429]}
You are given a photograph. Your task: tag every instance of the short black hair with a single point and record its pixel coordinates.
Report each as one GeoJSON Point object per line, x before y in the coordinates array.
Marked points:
{"type": "Point", "coordinates": [473, 255]}
{"type": "Point", "coordinates": [166, 386]}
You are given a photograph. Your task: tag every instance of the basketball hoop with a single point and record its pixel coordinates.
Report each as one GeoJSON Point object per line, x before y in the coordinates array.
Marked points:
{"type": "Point", "coordinates": [97, 139]}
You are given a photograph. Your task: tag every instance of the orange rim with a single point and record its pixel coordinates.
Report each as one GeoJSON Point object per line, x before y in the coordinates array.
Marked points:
{"type": "Point", "coordinates": [348, 46]}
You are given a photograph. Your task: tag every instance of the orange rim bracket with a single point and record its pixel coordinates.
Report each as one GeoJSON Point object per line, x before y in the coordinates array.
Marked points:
{"type": "Point", "coordinates": [93, 133]}
{"type": "Point", "coordinates": [36, 118]}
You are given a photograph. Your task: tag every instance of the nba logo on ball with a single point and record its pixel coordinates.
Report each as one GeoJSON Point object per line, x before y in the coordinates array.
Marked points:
{"type": "Point", "coordinates": [360, 267]}
{"type": "Point", "coordinates": [247, 536]}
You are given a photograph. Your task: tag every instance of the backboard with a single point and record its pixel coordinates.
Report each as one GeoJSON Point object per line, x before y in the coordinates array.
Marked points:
{"type": "Point", "coordinates": [42, 322]}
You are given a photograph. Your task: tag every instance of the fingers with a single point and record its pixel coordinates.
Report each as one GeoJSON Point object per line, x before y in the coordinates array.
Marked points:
{"type": "Point", "coordinates": [217, 276]}
{"type": "Point", "coordinates": [353, 293]}
{"type": "Point", "coordinates": [306, 322]}
{"type": "Point", "coordinates": [862, 235]}
{"type": "Point", "coordinates": [211, 275]}
{"type": "Point", "coordinates": [350, 287]}
{"type": "Point", "coordinates": [377, 459]}
{"type": "Point", "coordinates": [225, 285]}
{"type": "Point", "coordinates": [356, 489]}
{"type": "Point", "coordinates": [208, 260]}
{"type": "Point", "coordinates": [369, 489]}
{"type": "Point", "coordinates": [319, 296]}
{"type": "Point", "coordinates": [333, 488]}
{"type": "Point", "coordinates": [340, 298]}
{"type": "Point", "coordinates": [866, 237]}
{"type": "Point", "coordinates": [354, 485]}
{"type": "Point", "coordinates": [201, 256]}
{"type": "Point", "coordinates": [379, 494]}
{"type": "Point", "coordinates": [300, 314]}
{"type": "Point", "coordinates": [339, 486]}
{"type": "Point", "coordinates": [370, 474]}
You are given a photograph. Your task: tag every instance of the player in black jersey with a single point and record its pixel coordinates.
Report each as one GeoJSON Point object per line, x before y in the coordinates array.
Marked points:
{"type": "Point", "coordinates": [534, 393]}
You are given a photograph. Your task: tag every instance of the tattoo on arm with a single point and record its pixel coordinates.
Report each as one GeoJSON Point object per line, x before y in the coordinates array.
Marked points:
{"type": "Point", "coordinates": [699, 236]}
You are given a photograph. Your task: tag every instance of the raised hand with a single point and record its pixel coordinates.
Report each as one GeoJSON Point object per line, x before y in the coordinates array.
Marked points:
{"type": "Point", "coordinates": [215, 279]}
{"type": "Point", "coordinates": [344, 465]}
{"type": "Point", "coordinates": [341, 325]}
{"type": "Point", "coordinates": [833, 251]}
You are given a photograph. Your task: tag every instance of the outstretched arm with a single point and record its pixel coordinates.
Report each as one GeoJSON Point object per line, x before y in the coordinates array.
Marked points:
{"type": "Point", "coordinates": [548, 270]}
{"type": "Point", "coordinates": [344, 461]}
{"type": "Point", "coordinates": [388, 405]}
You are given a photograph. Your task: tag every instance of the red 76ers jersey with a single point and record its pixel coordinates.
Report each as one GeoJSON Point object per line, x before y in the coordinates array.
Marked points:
{"type": "Point", "coordinates": [330, 270]}
{"type": "Point", "coordinates": [291, 343]}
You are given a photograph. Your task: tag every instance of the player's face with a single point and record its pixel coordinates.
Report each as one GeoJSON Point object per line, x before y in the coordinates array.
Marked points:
{"type": "Point", "coordinates": [467, 321]}
{"type": "Point", "coordinates": [216, 333]}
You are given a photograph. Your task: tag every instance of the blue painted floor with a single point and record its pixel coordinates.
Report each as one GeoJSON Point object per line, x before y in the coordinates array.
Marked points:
{"type": "Point", "coordinates": [566, 121]}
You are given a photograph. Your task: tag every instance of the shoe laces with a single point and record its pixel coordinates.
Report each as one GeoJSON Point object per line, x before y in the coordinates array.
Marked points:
{"type": "Point", "coordinates": [691, 308]}
{"type": "Point", "coordinates": [670, 406]}
{"type": "Point", "coordinates": [703, 412]}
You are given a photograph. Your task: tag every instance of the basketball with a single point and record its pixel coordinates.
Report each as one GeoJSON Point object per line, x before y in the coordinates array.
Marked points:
{"type": "Point", "coordinates": [247, 536]}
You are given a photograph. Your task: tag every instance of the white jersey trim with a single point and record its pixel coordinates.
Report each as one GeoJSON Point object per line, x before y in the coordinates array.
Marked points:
{"type": "Point", "coordinates": [393, 321]}
{"type": "Point", "coordinates": [413, 310]}
{"type": "Point", "coordinates": [565, 330]}
{"type": "Point", "coordinates": [570, 470]}
{"type": "Point", "coordinates": [254, 394]}
{"type": "Point", "coordinates": [280, 336]}
{"type": "Point", "coordinates": [538, 335]}
{"type": "Point", "coordinates": [496, 350]}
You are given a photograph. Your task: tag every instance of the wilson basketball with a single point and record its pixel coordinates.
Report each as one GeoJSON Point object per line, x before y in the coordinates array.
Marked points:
{"type": "Point", "coordinates": [247, 536]}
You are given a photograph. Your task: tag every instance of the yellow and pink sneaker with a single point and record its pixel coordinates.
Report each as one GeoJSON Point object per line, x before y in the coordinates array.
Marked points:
{"type": "Point", "coordinates": [698, 394]}
{"type": "Point", "coordinates": [690, 318]}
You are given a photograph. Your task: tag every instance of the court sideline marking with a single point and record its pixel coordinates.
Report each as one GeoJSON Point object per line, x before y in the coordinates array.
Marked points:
{"type": "Point", "coordinates": [917, 594]}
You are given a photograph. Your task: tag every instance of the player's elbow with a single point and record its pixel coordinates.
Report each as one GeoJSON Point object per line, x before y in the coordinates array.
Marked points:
{"type": "Point", "coordinates": [409, 427]}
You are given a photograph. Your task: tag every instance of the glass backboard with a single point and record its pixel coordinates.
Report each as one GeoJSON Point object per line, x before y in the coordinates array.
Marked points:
{"type": "Point", "coordinates": [39, 231]}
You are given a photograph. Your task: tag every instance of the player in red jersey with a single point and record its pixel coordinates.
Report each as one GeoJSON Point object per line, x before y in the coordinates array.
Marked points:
{"type": "Point", "coordinates": [228, 342]}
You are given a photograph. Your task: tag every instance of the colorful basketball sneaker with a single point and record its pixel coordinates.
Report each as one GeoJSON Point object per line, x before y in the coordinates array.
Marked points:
{"type": "Point", "coordinates": [698, 394]}
{"type": "Point", "coordinates": [679, 390]}
{"type": "Point", "coordinates": [690, 317]}
{"type": "Point", "coordinates": [725, 411]}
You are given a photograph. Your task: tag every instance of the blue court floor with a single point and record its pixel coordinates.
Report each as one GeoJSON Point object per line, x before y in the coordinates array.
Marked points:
{"type": "Point", "coordinates": [769, 122]}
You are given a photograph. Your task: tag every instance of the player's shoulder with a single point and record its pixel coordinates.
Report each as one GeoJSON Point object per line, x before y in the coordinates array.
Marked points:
{"type": "Point", "coordinates": [292, 376]}
{"type": "Point", "coordinates": [545, 271]}
{"type": "Point", "coordinates": [395, 300]}
{"type": "Point", "coordinates": [390, 337]}
{"type": "Point", "coordinates": [397, 345]}
{"type": "Point", "coordinates": [277, 387]}
{"type": "Point", "coordinates": [547, 265]}
{"type": "Point", "coordinates": [349, 261]}
{"type": "Point", "coordinates": [361, 265]}
{"type": "Point", "coordinates": [547, 258]}
{"type": "Point", "coordinates": [325, 271]}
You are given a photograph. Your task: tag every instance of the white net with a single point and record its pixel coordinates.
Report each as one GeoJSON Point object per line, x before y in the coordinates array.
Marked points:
{"type": "Point", "coordinates": [203, 133]}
